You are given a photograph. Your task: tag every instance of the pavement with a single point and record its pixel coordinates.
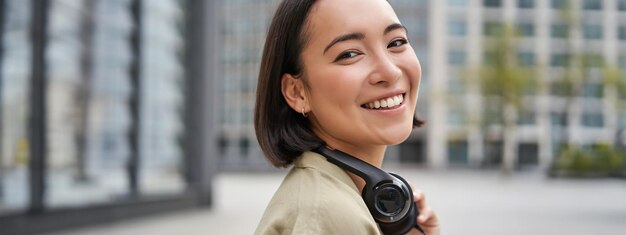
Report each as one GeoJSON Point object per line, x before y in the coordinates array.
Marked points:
{"type": "Point", "coordinates": [468, 202]}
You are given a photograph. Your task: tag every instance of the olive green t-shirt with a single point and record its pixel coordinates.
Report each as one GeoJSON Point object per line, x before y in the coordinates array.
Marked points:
{"type": "Point", "coordinates": [317, 197]}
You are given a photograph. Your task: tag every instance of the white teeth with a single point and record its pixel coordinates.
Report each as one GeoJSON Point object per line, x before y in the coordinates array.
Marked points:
{"type": "Point", "coordinates": [383, 103]}
{"type": "Point", "coordinates": [397, 100]}
{"type": "Point", "coordinates": [386, 103]}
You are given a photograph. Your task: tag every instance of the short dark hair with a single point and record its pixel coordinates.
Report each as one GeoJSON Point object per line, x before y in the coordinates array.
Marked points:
{"type": "Point", "coordinates": [283, 133]}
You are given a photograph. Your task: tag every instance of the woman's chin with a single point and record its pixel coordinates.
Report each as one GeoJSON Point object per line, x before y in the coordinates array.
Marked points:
{"type": "Point", "coordinates": [395, 137]}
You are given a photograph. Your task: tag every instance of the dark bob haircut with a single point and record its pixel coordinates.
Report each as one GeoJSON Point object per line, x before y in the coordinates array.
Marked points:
{"type": "Point", "coordinates": [283, 133]}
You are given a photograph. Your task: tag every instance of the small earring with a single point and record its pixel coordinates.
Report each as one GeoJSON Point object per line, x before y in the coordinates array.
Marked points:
{"type": "Point", "coordinates": [303, 113]}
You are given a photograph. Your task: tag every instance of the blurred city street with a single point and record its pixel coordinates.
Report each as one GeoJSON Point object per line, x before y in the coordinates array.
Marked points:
{"type": "Point", "coordinates": [467, 202]}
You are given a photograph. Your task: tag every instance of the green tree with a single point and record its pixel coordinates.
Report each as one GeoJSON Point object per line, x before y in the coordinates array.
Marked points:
{"type": "Point", "coordinates": [614, 78]}
{"type": "Point", "coordinates": [503, 82]}
{"type": "Point", "coordinates": [579, 69]}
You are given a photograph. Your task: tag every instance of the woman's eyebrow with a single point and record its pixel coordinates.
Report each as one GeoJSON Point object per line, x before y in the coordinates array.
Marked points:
{"type": "Point", "coordinates": [360, 36]}
{"type": "Point", "coordinates": [345, 37]}
{"type": "Point", "coordinates": [393, 27]}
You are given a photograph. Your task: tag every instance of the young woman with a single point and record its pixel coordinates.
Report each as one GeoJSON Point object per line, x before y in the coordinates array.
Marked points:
{"type": "Point", "coordinates": [339, 73]}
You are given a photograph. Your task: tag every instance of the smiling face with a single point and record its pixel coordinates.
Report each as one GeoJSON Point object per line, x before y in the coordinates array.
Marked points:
{"type": "Point", "coordinates": [362, 76]}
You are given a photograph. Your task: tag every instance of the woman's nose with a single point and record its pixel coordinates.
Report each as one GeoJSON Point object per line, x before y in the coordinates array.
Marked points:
{"type": "Point", "coordinates": [384, 70]}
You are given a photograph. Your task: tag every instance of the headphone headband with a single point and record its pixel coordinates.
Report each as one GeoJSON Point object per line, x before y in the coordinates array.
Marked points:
{"type": "Point", "coordinates": [388, 197]}
{"type": "Point", "coordinates": [367, 172]}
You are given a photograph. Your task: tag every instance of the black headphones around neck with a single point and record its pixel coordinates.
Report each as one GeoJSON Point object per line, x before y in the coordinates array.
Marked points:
{"type": "Point", "coordinates": [388, 196]}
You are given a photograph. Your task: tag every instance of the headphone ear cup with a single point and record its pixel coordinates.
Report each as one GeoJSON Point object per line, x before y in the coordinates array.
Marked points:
{"type": "Point", "coordinates": [391, 205]}
{"type": "Point", "coordinates": [407, 220]}
{"type": "Point", "coordinates": [403, 226]}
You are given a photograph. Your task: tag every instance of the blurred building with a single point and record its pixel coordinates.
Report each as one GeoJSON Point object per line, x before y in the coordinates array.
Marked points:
{"type": "Point", "coordinates": [547, 41]}
{"type": "Point", "coordinates": [104, 110]}
{"type": "Point", "coordinates": [448, 37]}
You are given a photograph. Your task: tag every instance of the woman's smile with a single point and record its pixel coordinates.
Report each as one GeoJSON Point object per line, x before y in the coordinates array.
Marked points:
{"type": "Point", "coordinates": [390, 102]}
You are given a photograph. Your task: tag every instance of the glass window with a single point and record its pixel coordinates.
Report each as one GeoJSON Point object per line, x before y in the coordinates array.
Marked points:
{"type": "Point", "coordinates": [594, 60]}
{"type": "Point", "coordinates": [560, 89]}
{"type": "Point", "coordinates": [528, 154]}
{"type": "Point", "coordinates": [456, 87]}
{"type": "Point", "coordinates": [559, 4]}
{"type": "Point", "coordinates": [622, 62]}
{"type": "Point", "coordinates": [526, 3]}
{"type": "Point", "coordinates": [622, 32]}
{"type": "Point", "coordinates": [558, 119]}
{"type": "Point", "coordinates": [492, 3]}
{"type": "Point", "coordinates": [526, 58]}
{"type": "Point", "coordinates": [489, 57]}
{"type": "Point", "coordinates": [592, 5]}
{"type": "Point", "coordinates": [457, 117]}
{"type": "Point", "coordinates": [458, 3]}
{"type": "Point", "coordinates": [458, 152]}
{"type": "Point", "coordinates": [559, 60]}
{"type": "Point", "coordinates": [492, 28]}
{"type": "Point", "coordinates": [592, 31]}
{"type": "Point", "coordinates": [526, 29]}
{"type": "Point", "coordinates": [456, 57]}
{"type": "Point", "coordinates": [526, 118]}
{"type": "Point", "coordinates": [15, 80]}
{"type": "Point", "coordinates": [457, 28]}
{"type": "Point", "coordinates": [88, 102]}
{"type": "Point", "coordinates": [163, 98]}
{"type": "Point", "coordinates": [593, 119]}
{"type": "Point", "coordinates": [594, 90]}
{"type": "Point", "coordinates": [559, 31]}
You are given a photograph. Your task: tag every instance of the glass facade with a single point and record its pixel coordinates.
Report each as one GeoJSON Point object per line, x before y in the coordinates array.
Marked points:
{"type": "Point", "coordinates": [114, 78]}
{"type": "Point", "coordinates": [88, 94]}
{"type": "Point", "coordinates": [162, 108]}
{"type": "Point", "coordinates": [242, 39]}
{"type": "Point", "coordinates": [89, 115]}
{"type": "Point", "coordinates": [15, 73]}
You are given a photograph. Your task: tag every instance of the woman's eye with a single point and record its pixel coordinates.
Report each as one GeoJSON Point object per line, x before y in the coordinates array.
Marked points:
{"type": "Point", "coordinates": [397, 43]}
{"type": "Point", "coordinates": [347, 55]}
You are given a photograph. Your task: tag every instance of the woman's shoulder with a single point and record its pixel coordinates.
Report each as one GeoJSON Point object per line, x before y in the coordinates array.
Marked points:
{"type": "Point", "coordinates": [311, 200]}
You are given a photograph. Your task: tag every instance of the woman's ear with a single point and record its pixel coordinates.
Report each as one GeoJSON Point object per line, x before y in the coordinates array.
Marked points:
{"type": "Point", "coordinates": [293, 91]}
